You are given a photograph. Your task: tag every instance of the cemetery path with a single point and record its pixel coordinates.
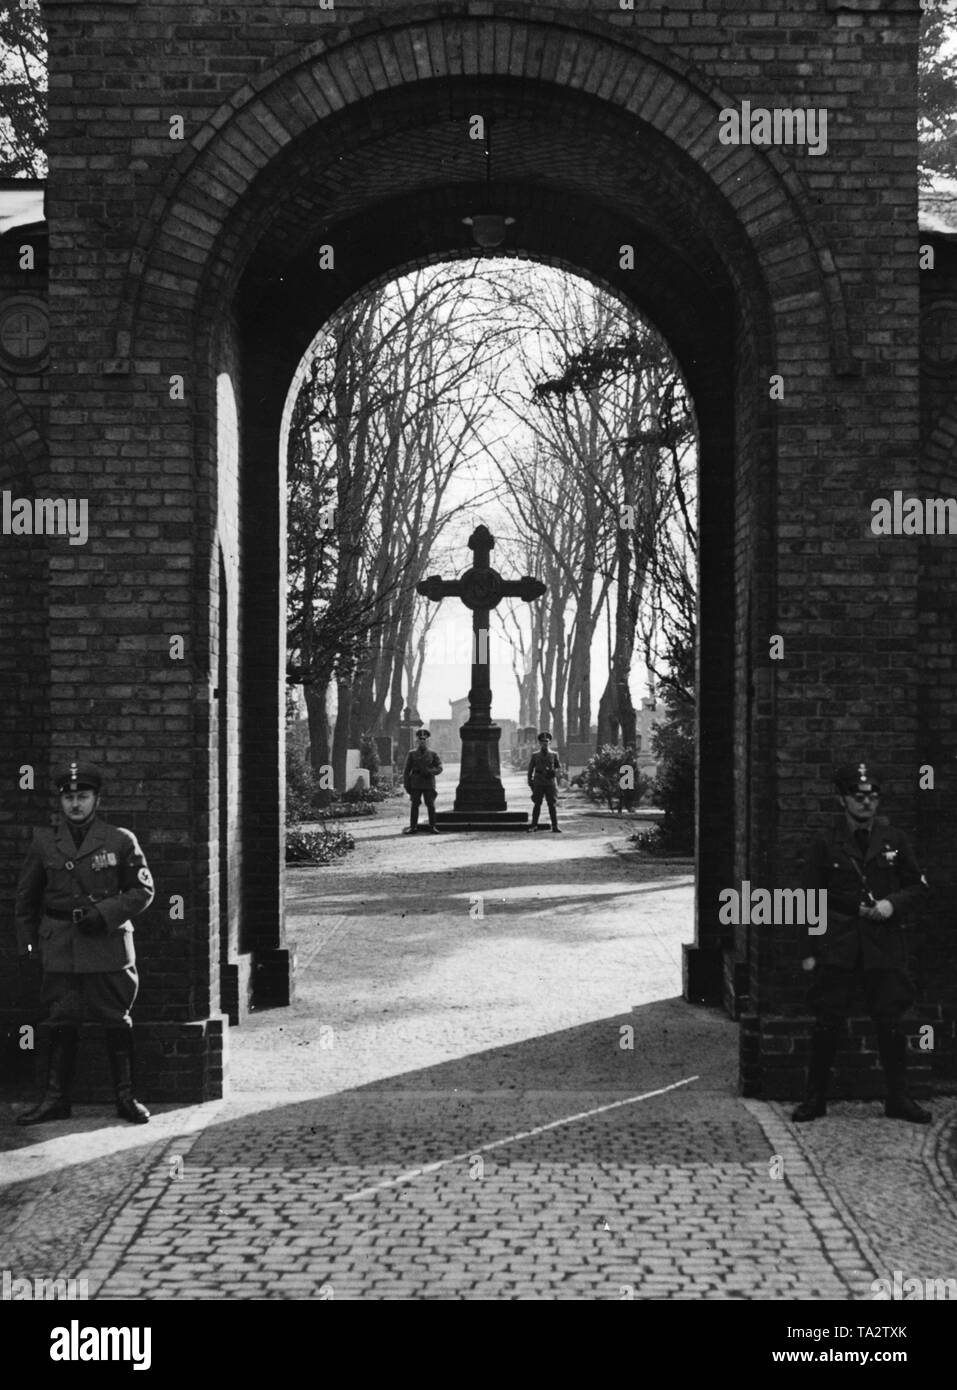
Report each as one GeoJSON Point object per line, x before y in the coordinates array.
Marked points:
{"type": "Point", "coordinates": [487, 1087]}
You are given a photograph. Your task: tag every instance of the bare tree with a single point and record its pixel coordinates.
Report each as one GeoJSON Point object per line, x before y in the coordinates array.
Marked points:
{"type": "Point", "coordinates": [23, 91]}
{"type": "Point", "coordinates": [615, 427]}
{"type": "Point", "coordinates": [395, 401]}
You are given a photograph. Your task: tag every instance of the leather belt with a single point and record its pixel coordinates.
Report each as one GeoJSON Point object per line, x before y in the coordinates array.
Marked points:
{"type": "Point", "coordinates": [74, 916]}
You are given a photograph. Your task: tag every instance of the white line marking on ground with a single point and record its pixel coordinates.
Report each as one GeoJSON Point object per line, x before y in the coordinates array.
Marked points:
{"type": "Point", "coordinates": [331, 931]}
{"type": "Point", "coordinates": [512, 1139]}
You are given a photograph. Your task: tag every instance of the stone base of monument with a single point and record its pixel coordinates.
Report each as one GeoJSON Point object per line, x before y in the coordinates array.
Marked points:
{"type": "Point", "coordinates": [482, 820]}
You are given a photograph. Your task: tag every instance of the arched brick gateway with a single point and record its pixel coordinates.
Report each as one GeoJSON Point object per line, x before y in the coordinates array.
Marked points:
{"type": "Point", "coordinates": [24, 620]}
{"type": "Point", "coordinates": [201, 260]}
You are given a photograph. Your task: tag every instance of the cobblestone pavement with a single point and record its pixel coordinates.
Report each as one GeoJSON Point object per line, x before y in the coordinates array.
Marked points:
{"type": "Point", "coordinates": [456, 1106]}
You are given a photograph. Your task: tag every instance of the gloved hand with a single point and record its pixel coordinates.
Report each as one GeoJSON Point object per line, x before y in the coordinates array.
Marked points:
{"type": "Point", "coordinates": [881, 911]}
{"type": "Point", "coordinates": [92, 923]}
{"type": "Point", "coordinates": [28, 963]}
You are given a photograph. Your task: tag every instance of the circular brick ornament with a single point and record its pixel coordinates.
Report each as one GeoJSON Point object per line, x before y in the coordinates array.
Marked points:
{"type": "Point", "coordinates": [24, 334]}
{"type": "Point", "coordinates": [938, 338]}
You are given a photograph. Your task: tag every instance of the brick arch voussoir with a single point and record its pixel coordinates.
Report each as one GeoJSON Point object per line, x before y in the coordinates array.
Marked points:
{"type": "Point", "coordinates": [286, 100]}
{"type": "Point", "coordinates": [29, 453]}
{"type": "Point", "coordinates": [941, 448]}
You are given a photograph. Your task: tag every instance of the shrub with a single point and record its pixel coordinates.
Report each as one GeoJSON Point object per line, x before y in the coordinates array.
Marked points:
{"type": "Point", "coordinates": [344, 810]}
{"type": "Point", "coordinates": [359, 796]}
{"type": "Point", "coordinates": [656, 843]}
{"type": "Point", "coordinates": [317, 846]}
{"type": "Point", "coordinates": [304, 796]}
{"type": "Point", "coordinates": [603, 776]}
{"type": "Point", "coordinates": [675, 786]}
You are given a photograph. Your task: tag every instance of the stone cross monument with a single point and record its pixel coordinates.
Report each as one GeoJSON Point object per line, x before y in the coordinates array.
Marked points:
{"type": "Point", "coordinates": [480, 796]}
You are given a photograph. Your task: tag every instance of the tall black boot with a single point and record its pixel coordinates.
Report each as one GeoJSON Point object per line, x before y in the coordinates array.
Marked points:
{"type": "Point", "coordinates": [553, 817]}
{"type": "Point", "coordinates": [823, 1048]}
{"type": "Point", "coordinates": [119, 1046]}
{"type": "Point", "coordinates": [61, 1066]}
{"type": "Point", "coordinates": [892, 1047]}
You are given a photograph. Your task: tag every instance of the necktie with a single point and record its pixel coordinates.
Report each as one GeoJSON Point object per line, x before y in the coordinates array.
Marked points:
{"type": "Point", "coordinates": [861, 838]}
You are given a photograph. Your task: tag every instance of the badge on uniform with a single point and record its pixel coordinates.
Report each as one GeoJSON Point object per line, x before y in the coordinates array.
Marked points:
{"type": "Point", "coordinates": [889, 855]}
{"type": "Point", "coordinates": [104, 859]}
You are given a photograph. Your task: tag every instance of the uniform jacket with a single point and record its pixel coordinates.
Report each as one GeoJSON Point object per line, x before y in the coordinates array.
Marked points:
{"type": "Point", "coordinates": [890, 870]}
{"type": "Point", "coordinates": [109, 870]}
{"type": "Point", "coordinates": [543, 769]}
{"type": "Point", "coordinates": [421, 767]}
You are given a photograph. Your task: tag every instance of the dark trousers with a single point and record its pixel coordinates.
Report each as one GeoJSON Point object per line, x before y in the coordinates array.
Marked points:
{"type": "Point", "coordinates": [417, 798]}
{"type": "Point", "coordinates": [105, 997]}
{"type": "Point", "coordinates": [550, 795]}
{"type": "Point", "coordinates": [887, 993]}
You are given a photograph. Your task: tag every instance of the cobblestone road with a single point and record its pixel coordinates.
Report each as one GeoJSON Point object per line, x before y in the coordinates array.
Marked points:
{"type": "Point", "coordinates": [488, 1087]}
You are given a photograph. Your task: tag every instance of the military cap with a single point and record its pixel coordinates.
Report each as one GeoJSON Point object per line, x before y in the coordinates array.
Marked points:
{"type": "Point", "coordinates": [850, 778]}
{"type": "Point", "coordinates": [78, 777]}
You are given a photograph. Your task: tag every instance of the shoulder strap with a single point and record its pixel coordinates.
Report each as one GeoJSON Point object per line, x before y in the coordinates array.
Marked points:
{"type": "Point", "coordinates": [68, 864]}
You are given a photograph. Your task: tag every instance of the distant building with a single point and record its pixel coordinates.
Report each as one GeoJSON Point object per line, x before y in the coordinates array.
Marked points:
{"type": "Point", "coordinates": [651, 714]}
{"type": "Point", "coordinates": [447, 740]}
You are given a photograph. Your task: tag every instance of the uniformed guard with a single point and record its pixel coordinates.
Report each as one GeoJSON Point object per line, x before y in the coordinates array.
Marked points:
{"type": "Point", "coordinates": [872, 880]}
{"type": "Point", "coordinates": [79, 888]}
{"type": "Point", "coordinates": [543, 770]}
{"type": "Point", "coordinates": [421, 768]}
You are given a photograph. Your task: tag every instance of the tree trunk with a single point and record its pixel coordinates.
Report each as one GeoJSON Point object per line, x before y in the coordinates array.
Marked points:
{"type": "Point", "coordinates": [608, 724]}
{"type": "Point", "coordinates": [316, 694]}
{"type": "Point", "coordinates": [579, 665]}
{"type": "Point", "coordinates": [561, 676]}
{"type": "Point", "coordinates": [362, 715]}
{"type": "Point", "coordinates": [340, 742]}
{"type": "Point", "coordinates": [625, 604]}
{"type": "Point", "coordinates": [545, 707]}
{"type": "Point", "coordinates": [531, 693]}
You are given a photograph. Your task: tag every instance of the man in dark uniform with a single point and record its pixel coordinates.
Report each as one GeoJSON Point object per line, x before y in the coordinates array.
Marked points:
{"type": "Point", "coordinates": [872, 880]}
{"type": "Point", "coordinates": [421, 767]}
{"type": "Point", "coordinates": [79, 887]}
{"type": "Point", "coordinates": [543, 770]}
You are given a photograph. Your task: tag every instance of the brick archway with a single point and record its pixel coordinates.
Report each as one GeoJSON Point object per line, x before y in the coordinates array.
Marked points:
{"type": "Point", "coordinates": [183, 238]}
{"type": "Point", "coordinates": [24, 615]}
{"type": "Point", "coordinates": [623, 152]}
{"type": "Point", "coordinates": [25, 713]}
{"type": "Point", "coordinates": [603, 137]}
